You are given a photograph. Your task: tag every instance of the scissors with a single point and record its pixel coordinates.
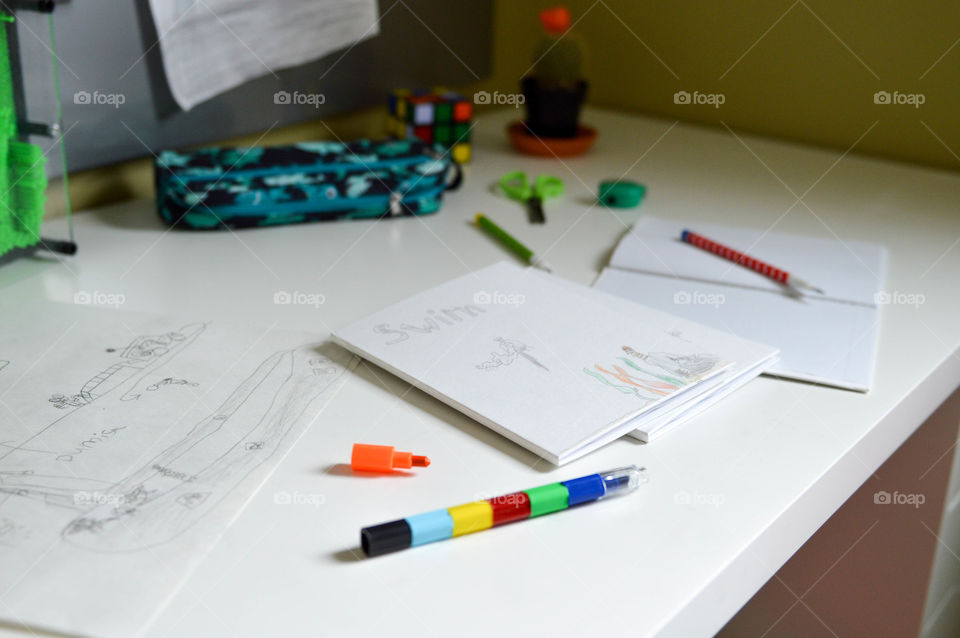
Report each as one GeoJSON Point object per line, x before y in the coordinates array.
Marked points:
{"type": "Point", "coordinates": [516, 186]}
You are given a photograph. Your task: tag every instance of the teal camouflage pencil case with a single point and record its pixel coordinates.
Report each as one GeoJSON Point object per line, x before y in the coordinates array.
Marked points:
{"type": "Point", "coordinates": [310, 181]}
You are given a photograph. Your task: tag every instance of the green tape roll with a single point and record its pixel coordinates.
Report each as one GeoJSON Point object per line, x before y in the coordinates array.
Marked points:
{"type": "Point", "coordinates": [548, 498]}
{"type": "Point", "coordinates": [621, 194]}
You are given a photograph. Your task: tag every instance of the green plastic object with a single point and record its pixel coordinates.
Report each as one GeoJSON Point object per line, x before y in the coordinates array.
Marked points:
{"type": "Point", "coordinates": [621, 194]}
{"type": "Point", "coordinates": [516, 186]}
{"type": "Point", "coordinates": [548, 498]}
{"type": "Point", "coordinates": [22, 176]}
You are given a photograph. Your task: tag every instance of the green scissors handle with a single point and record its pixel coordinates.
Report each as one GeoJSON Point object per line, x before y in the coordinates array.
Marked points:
{"type": "Point", "coordinates": [515, 185]}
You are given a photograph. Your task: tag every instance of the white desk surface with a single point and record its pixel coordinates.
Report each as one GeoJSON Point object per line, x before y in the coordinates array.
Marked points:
{"type": "Point", "coordinates": [761, 471]}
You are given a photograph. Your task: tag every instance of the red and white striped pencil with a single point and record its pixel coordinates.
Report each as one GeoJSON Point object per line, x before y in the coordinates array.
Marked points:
{"type": "Point", "coordinates": [777, 274]}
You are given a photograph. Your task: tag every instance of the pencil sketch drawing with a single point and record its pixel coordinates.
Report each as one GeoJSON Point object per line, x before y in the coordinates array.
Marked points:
{"type": "Point", "coordinates": [153, 387]}
{"type": "Point", "coordinates": [170, 489]}
{"type": "Point", "coordinates": [688, 366]}
{"type": "Point", "coordinates": [158, 436]}
{"type": "Point", "coordinates": [136, 359]}
{"type": "Point", "coordinates": [175, 488]}
{"type": "Point", "coordinates": [509, 352]}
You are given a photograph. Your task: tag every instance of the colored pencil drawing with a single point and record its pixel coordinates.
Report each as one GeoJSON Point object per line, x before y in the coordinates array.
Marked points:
{"type": "Point", "coordinates": [510, 352]}
{"type": "Point", "coordinates": [642, 385]}
{"type": "Point", "coordinates": [651, 377]}
{"type": "Point", "coordinates": [688, 366]}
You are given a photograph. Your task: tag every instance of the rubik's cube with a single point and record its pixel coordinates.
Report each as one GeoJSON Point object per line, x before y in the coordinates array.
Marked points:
{"type": "Point", "coordinates": [436, 117]}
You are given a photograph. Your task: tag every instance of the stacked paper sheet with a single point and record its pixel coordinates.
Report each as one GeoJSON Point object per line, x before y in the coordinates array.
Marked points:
{"type": "Point", "coordinates": [560, 369]}
{"type": "Point", "coordinates": [829, 338]}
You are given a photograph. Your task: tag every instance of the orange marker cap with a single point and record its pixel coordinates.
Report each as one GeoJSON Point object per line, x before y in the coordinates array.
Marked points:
{"type": "Point", "coordinates": [383, 458]}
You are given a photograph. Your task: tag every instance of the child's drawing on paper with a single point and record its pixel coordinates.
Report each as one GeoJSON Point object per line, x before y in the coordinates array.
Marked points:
{"type": "Point", "coordinates": [159, 433]}
{"type": "Point", "coordinates": [639, 383]}
{"type": "Point", "coordinates": [164, 496]}
{"type": "Point", "coordinates": [153, 387]}
{"type": "Point", "coordinates": [156, 496]}
{"type": "Point", "coordinates": [509, 352]}
{"type": "Point", "coordinates": [137, 358]}
{"type": "Point", "coordinates": [688, 366]}
{"type": "Point", "coordinates": [663, 375]}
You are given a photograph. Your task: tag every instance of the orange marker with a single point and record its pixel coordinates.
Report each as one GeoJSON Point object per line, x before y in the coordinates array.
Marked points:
{"type": "Point", "coordinates": [383, 458]}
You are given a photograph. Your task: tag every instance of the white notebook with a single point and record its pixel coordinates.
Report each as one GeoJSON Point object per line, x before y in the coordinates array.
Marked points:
{"type": "Point", "coordinates": [546, 363]}
{"type": "Point", "coordinates": [750, 364]}
{"type": "Point", "coordinates": [829, 339]}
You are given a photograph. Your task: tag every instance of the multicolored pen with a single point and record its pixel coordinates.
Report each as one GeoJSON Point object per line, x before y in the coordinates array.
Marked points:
{"type": "Point", "coordinates": [778, 275]}
{"type": "Point", "coordinates": [480, 515]}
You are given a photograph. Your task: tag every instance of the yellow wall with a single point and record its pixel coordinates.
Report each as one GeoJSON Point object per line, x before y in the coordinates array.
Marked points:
{"type": "Point", "coordinates": [804, 70]}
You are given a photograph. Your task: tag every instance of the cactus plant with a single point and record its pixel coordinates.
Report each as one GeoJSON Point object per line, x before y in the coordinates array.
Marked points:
{"type": "Point", "coordinates": [554, 93]}
{"type": "Point", "coordinates": [559, 61]}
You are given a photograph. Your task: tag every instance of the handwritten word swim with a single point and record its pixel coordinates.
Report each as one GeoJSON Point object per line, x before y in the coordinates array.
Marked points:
{"type": "Point", "coordinates": [433, 321]}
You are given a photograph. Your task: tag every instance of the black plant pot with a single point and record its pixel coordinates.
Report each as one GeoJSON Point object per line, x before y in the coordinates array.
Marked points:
{"type": "Point", "coordinates": [554, 111]}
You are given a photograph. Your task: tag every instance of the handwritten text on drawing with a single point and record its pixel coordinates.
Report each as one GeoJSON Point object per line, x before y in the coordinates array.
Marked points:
{"type": "Point", "coordinates": [433, 321]}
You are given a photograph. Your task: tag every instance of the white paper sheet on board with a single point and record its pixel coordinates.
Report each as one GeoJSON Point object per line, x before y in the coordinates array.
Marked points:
{"type": "Point", "coordinates": [548, 367]}
{"type": "Point", "coordinates": [750, 360]}
{"type": "Point", "coordinates": [128, 443]}
{"type": "Point", "coordinates": [829, 339]}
